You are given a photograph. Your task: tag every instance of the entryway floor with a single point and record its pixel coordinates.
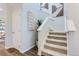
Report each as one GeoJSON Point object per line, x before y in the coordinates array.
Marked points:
{"type": "Point", "coordinates": [31, 52]}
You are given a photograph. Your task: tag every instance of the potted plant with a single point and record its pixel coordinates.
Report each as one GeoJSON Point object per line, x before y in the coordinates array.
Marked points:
{"type": "Point", "coordinates": [39, 22]}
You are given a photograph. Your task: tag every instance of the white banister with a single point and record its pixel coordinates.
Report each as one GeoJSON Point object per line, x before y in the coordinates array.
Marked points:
{"type": "Point", "coordinates": [65, 23]}
{"type": "Point", "coordinates": [43, 31]}
{"type": "Point", "coordinates": [58, 24]}
{"type": "Point", "coordinates": [40, 28]}
{"type": "Point", "coordinates": [71, 26]}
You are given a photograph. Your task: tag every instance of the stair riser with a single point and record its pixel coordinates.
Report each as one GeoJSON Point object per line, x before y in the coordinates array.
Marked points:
{"type": "Point", "coordinates": [56, 43]}
{"type": "Point", "coordinates": [53, 37]}
{"type": "Point", "coordinates": [57, 33]}
{"type": "Point", "coordinates": [45, 54]}
{"type": "Point", "coordinates": [56, 49]}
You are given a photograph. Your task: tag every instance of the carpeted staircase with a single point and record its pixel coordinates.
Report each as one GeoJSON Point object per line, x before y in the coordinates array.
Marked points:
{"type": "Point", "coordinates": [55, 45]}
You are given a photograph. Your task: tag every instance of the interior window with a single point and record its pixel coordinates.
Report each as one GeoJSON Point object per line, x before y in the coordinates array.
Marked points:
{"type": "Point", "coordinates": [53, 9]}
{"type": "Point", "coordinates": [46, 5]}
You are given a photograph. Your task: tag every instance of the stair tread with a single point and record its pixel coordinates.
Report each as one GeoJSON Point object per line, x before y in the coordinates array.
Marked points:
{"type": "Point", "coordinates": [61, 41]}
{"type": "Point", "coordinates": [56, 46]}
{"type": "Point", "coordinates": [55, 53]}
{"type": "Point", "coordinates": [57, 32]}
{"type": "Point", "coordinates": [58, 36]}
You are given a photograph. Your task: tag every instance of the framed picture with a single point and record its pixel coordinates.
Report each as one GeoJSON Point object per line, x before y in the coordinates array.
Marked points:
{"type": "Point", "coordinates": [53, 9]}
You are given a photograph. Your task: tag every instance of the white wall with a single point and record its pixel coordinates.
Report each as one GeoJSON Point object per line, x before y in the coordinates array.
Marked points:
{"type": "Point", "coordinates": [29, 37]}
{"type": "Point", "coordinates": [72, 12]}
{"type": "Point", "coordinates": [58, 24]}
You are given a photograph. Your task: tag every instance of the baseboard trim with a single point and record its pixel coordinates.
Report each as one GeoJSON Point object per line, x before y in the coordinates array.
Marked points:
{"type": "Point", "coordinates": [7, 47]}
{"type": "Point", "coordinates": [27, 49]}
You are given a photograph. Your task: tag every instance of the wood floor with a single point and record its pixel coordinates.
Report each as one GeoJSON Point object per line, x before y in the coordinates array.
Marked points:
{"type": "Point", "coordinates": [31, 52]}
{"type": "Point", "coordinates": [15, 52]}
{"type": "Point", "coordinates": [4, 52]}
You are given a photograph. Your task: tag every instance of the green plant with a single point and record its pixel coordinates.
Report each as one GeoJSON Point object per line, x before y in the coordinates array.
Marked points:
{"type": "Point", "coordinates": [39, 22]}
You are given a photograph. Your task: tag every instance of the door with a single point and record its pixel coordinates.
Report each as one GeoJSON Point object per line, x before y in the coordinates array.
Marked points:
{"type": "Point", "coordinates": [16, 33]}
